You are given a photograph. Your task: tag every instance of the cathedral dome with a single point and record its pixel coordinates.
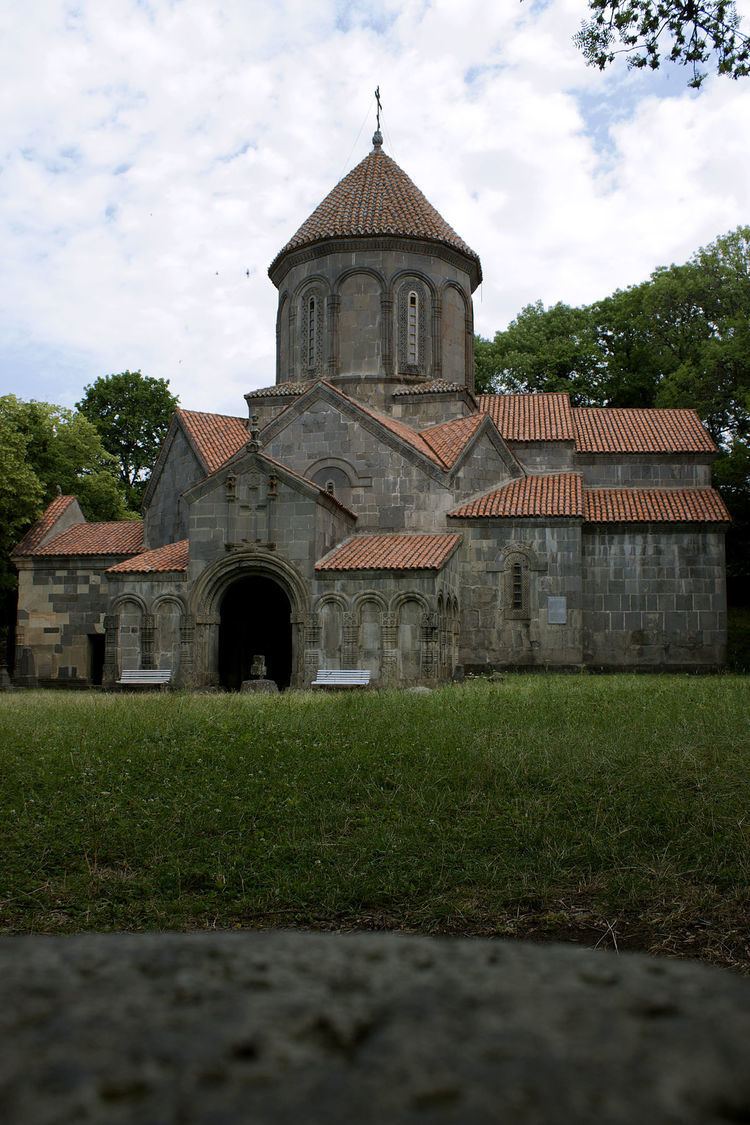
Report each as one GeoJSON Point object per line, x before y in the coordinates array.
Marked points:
{"type": "Point", "coordinates": [377, 200]}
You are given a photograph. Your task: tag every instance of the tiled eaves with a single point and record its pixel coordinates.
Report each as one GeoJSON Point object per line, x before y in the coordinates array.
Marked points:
{"type": "Point", "coordinates": [435, 387]}
{"type": "Point", "coordinates": [564, 496]}
{"type": "Point", "coordinates": [39, 531]}
{"type": "Point", "coordinates": [654, 505]}
{"type": "Point", "coordinates": [391, 552]}
{"type": "Point", "coordinates": [169, 559]}
{"type": "Point", "coordinates": [116, 537]}
{"type": "Point", "coordinates": [281, 390]}
{"type": "Point", "coordinates": [634, 430]}
{"type": "Point", "coordinates": [530, 417]}
{"type": "Point", "coordinates": [548, 496]}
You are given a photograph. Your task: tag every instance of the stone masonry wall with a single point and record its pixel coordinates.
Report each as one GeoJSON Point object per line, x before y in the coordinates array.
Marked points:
{"type": "Point", "coordinates": [654, 596]}
{"type": "Point", "coordinates": [493, 634]}
{"type": "Point", "coordinates": [359, 299]}
{"type": "Point", "coordinates": [166, 519]}
{"type": "Point", "coordinates": [639, 470]}
{"type": "Point", "coordinates": [61, 603]}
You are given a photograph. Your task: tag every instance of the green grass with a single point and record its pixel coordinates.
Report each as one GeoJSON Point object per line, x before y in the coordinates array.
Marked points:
{"type": "Point", "coordinates": [597, 808]}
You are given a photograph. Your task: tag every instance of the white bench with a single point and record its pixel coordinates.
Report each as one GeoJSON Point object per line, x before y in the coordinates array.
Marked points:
{"type": "Point", "coordinates": [342, 677]}
{"type": "Point", "coordinates": [145, 677]}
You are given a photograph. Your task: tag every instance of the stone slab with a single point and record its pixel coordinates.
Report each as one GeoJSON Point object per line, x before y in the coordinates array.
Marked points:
{"type": "Point", "coordinates": [211, 1029]}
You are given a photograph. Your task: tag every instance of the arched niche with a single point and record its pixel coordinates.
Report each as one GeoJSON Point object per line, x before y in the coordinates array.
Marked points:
{"type": "Point", "coordinates": [359, 331]}
{"type": "Point", "coordinates": [453, 334]}
{"type": "Point", "coordinates": [370, 610]}
{"type": "Point", "coordinates": [130, 616]}
{"type": "Point", "coordinates": [409, 639]}
{"type": "Point", "coordinates": [168, 613]}
{"type": "Point", "coordinates": [330, 613]}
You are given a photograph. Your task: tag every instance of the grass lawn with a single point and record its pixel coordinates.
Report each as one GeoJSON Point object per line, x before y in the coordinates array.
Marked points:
{"type": "Point", "coordinates": [603, 809]}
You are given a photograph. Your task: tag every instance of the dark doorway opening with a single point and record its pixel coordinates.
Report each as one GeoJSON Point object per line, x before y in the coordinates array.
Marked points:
{"type": "Point", "coordinates": [255, 621]}
{"type": "Point", "coordinates": [96, 658]}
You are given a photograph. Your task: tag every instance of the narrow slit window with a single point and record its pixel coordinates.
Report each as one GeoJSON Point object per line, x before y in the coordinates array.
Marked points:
{"type": "Point", "coordinates": [412, 330]}
{"type": "Point", "coordinates": [517, 590]}
{"type": "Point", "coordinates": [312, 332]}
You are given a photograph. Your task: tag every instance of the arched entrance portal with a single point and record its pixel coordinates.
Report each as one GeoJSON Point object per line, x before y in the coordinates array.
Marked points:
{"type": "Point", "coordinates": [255, 621]}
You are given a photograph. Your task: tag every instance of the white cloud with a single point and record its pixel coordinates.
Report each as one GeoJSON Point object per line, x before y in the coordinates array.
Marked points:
{"type": "Point", "coordinates": [155, 152]}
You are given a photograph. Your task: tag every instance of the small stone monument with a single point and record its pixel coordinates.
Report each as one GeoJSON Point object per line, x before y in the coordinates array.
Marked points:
{"type": "Point", "coordinates": [258, 681]}
{"type": "Point", "coordinates": [5, 684]}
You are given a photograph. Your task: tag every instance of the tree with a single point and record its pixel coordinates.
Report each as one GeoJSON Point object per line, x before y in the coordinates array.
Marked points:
{"type": "Point", "coordinates": [64, 451]}
{"type": "Point", "coordinates": [131, 412]}
{"type": "Point", "coordinates": [551, 349]}
{"type": "Point", "coordinates": [687, 32]}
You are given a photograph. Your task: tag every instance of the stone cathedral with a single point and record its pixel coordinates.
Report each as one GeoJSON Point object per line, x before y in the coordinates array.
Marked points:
{"type": "Point", "coordinates": [370, 510]}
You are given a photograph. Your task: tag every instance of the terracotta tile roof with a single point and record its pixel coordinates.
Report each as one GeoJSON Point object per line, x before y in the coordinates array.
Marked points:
{"type": "Point", "coordinates": [622, 430]}
{"type": "Point", "coordinates": [43, 525]}
{"type": "Point", "coordinates": [435, 387]}
{"type": "Point", "coordinates": [391, 552]}
{"type": "Point", "coordinates": [123, 537]}
{"type": "Point", "coordinates": [375, 198]}
{"type": "Point", "coordinates": [533, 417]}
{"type": "Point", "coordinates": [173, 556]}
{"type": "Point", "coordinates": [281, 390]}
{"type": "Point", "coordinates": [217, 437]}
{"type": "Point", "coordinates": [655, 505]}
{"type": "Point", "coordinates": [449, 438]}
{"type": "Point", "coordinates": [555, 496]}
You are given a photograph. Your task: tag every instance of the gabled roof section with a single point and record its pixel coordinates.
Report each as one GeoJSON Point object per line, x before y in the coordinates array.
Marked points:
{"type": "Point", "coordinates": [554, 496]}
{"type": "Point", "coordinates": [162, 560]}
{"type": "Point", "coordinates": [627, 430]}
{"type": "Point", "coordinates": [530, 417]}
{"type": "Point", "coordinates": [391, 552]}
{"type": "Point", "coordinates": [215, 437]}
{"type": "Point", "coordinates": [39, 531]}
{"type": "Point", "coordinates": [376, 198]}
{"type": "Point", "coordinates": [121, 537]}
{"type": "Point", "coordinates": [448, 439]}
{"type": "Point", "coordinates": [655, 505]}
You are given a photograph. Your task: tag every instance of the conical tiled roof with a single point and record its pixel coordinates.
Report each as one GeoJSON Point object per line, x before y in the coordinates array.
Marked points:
{"type": "Point", "coordinates": [378, 199]}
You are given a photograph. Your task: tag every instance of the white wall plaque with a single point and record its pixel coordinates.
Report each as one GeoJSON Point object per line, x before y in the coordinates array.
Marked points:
{"type": "Point", "coordinates": [557, 611]}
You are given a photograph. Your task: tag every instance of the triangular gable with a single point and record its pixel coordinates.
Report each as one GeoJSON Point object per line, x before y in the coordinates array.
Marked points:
{"type": "Point", "coordinates": [392, 432]}
{"type": "Point", "coordinates": [63, 512]}
{"type": "Point", "coordinates": [245, 460]}
{"type": "Point", "coordinates": [456, 441]}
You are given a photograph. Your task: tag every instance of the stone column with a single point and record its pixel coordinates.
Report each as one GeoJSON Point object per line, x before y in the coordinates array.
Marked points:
{"type": "Point", "coordinates": [386, 332]}
{"type": "Point", "coordinates": [332, 361]}
{"type": "Point", "coordinates": [206, 652]}
{"type": "Point", "coordinates": [312, 648]}
{"type": "Point", "coordinates": [230, 536]}
{"type": "Point", "coordinates": [429, 645]}
{"type": "Point", "coordinates": [147, 641]}
{"type": "Point", "coordinates": [111, 633]}
{"type": "Point", "coordinates": [389, 637]}
{"type": "Point", "coordinates": [351, 641]}
{"type": "Point", "coordinates": [292, 348]}
{"type": "Point", "coordinates": [187, 634]}
{"type": "Point", "coordinates": [469, 360]}
{"type": "Point", "coordinates": [437, 339]}
{"type": "Point", "coordinates": [271, 497]}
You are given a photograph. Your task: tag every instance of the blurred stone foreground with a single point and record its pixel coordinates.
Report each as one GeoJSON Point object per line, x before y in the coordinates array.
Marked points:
{"type": "Point", "coordinates": [306, 1027]}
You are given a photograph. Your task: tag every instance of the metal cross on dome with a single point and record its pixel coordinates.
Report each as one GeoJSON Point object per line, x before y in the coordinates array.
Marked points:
{"type": "Point", "coordinates": [377, 100]}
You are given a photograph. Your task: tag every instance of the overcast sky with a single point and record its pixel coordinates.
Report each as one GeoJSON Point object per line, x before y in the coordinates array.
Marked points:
{"type": "Point", "coordinates": [154, 151]}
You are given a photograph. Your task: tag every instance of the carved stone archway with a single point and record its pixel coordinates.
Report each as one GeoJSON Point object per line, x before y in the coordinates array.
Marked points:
{"type": "Point", "coordinates": [205, 606]}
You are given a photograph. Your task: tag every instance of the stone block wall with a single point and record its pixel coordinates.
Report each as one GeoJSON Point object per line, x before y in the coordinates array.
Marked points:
{"type": "Point", "coordinates": [546, 628]}
{"type": "Point", "coordinates": [61, 604]}
{"type": "Point", "coordinates": [654, 596]}
{"type": "Point", "coordinates": [166, 518]}
{"type": "Point", "coordinates": [685, 470]}
{"type": "Point", "coordinates": [358, 288]}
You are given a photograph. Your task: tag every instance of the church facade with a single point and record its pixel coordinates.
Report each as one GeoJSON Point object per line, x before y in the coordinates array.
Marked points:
{"type": "Point", "coordinates": [370, 510]}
